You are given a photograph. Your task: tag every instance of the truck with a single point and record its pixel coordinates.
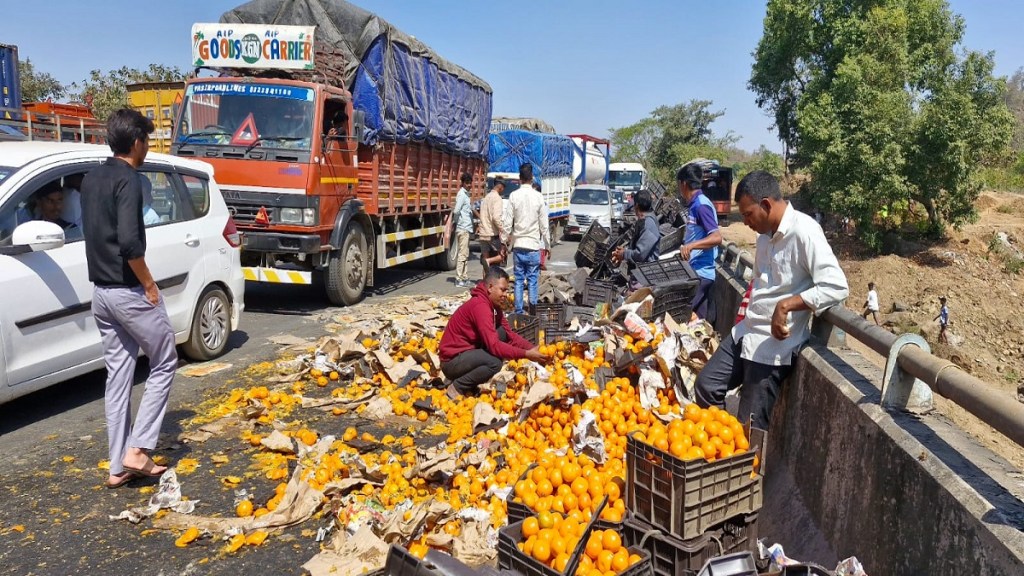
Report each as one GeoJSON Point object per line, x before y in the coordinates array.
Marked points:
{"type": "Point", "coordinates": [550, 155]}
{"type": "Point", "coordinates": [590, 159]}
{"type": "Point", "coordinates": [627, 177]}
{"type": "Point", "coordinates": [337, 140]}
{"type": "Point", "coordinates": [10, 82]}
{"type": "Point", "coordinates": [717, 185]}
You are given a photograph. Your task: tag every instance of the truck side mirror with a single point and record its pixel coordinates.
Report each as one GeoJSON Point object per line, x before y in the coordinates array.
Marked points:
{"type": "Point", "coordinates": [358, 125]}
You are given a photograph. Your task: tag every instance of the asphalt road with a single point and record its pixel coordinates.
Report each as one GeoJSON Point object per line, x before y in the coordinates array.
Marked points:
{"type": "Point", "coordinates": [51, 442]}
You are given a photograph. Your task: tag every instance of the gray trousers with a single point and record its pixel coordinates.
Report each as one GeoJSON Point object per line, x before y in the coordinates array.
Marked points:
{"type": "Point", "coordinates": [761, 383]}
{"type": "Point", "coordinates": [128, 322]}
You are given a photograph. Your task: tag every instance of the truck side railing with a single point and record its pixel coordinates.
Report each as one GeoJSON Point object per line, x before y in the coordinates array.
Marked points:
{"type": "Point", "coordinates": [53, 127]}
{"type": "Point", "coordinates": [907, 354]}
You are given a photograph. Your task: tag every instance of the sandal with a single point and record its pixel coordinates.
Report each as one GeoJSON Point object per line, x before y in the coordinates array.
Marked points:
{"type": "Point", "coordinates": [124, 478]}
{"type": "Point", "coordinates": [147, 470]}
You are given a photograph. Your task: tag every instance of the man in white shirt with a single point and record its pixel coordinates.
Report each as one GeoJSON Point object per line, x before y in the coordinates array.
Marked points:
{"type": "Point", "coordinates": [492, 249]}
{"type": "Point", "coordinates": [525, 223]}
{"type": "Point", "coordinates": [795, 274]}
{"type": "Point", "coordinates": [871, 304]}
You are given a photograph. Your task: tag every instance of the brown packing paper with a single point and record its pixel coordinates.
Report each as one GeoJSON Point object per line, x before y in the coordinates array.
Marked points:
{"type": "Point", "coordinates": [350, 555]}
{"type": "Point", "coordinates": [331, 401]}
{"type": "Point", "coordinates": [378, 409]}
{"type": "Point", "coordinates": [276, 441]}
{"type": "Point", "coordinates": [484, 415]}
{"type": "Point", "coordinates": [399, 530]}
{"type": "Point", "coordinates": [471, 545]}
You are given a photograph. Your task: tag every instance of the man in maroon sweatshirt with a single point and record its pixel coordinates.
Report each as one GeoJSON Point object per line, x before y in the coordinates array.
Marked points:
{"type": "Point", "coordinates": [478, 338]}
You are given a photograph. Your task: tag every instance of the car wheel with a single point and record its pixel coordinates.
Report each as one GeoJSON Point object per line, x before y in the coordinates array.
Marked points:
{"type": "Point", "coordinates": [211, 326]}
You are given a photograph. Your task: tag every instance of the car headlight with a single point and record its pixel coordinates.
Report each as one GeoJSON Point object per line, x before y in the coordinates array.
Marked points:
{"type": "Point", "coordinates": [304, 216]}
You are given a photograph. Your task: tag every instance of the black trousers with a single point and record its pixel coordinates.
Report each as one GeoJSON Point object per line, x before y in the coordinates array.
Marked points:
{"type": "Point", "coordinates": [703, 305]}
{"type": "Point", "coordinates": [761, 383]}
{"type": "Point", "coordinates": [472, 368]}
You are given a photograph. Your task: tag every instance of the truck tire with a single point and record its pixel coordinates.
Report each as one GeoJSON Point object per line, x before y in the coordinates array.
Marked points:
{"type": "Point", "coordinates": [445, 261]}
{"type": "Point", "coordinates": [211, 326]}
{"type": "Point", "coordinates": [345, 277]}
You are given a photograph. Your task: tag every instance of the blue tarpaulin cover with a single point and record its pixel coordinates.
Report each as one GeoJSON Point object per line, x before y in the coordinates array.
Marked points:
{"type": "Point", "coordinates": [407, 92]}
{"type": "Point", "coordinates": [550, 154]}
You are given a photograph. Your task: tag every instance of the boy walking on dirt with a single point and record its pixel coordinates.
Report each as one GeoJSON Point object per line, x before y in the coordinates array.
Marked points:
{"type": "Point", "coordinates": [871, 304]}
{"type": "Point", "coordinates": [943, 319]}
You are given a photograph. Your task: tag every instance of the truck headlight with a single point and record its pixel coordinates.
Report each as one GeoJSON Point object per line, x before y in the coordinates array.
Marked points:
{"type": "Point", "coordinates": [303, 216]}
{"type": "Point", "coordinates": [291, 215]}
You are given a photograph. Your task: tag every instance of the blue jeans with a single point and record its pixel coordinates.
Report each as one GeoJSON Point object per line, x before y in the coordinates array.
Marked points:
{"type": "Point", "coordinates": [527, 269]}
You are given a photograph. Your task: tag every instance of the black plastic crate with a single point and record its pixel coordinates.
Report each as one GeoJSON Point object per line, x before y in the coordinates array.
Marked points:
{"type": "Point", "coordinates": [552, 336]}
{"type": "Point", "coordinates": [510, 557]}
{"type": "Point", "coordinates": [598, 291]}
{"type": "Point", "coordinates": [671, 239]}
{"type": "Point", "coordinates": [675, 298]}
{"type": "Point", "coordinates": [594, 246]}
{"type": "Point", "coordinates": [584, 314]}
{"type": "Point", "coordinates": [664, 271]}
{"type": "Point", "coordinates": [671, 556]}
{"type": "Point", "coordinates": [550, 315]}
{"type": "Point", "coordinates": [739, 533]}
{"type": "Point", "coordinates": [401, 562]}
{"type": "Point", "coordinates": [688, 497]}
{"type": "Point", "coordinates": [526, 326]}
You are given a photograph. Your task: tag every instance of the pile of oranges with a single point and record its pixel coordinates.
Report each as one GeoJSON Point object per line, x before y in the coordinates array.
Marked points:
{"type": "Point", "coordinates": [532, 460]}
{"type": "Point", "coordinates": [708, 433]}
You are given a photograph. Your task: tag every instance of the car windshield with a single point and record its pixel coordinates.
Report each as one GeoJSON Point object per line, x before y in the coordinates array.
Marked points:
{"type": "Point", "coordinates": [245, 114]}
{"type": "Point", "coordinates": [593, 196]}
{"type": "Point", "coordinates": [625, 178]}
{"type": "Point", "coordinates": [5, 171]}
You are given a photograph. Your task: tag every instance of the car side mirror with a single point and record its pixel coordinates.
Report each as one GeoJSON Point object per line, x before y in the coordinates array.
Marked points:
{"type": "Point", "coordinates": [35, 236]}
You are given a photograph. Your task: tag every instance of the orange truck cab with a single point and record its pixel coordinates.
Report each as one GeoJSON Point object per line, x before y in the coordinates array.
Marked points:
{"type": "Point", "coordinates": [320, 182]}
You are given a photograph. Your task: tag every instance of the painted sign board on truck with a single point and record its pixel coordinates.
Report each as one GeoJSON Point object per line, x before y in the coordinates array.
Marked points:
{"type": "Point", "coordinates": [252, 46]}
{"type": "Point", "coordinates": [10, 84]}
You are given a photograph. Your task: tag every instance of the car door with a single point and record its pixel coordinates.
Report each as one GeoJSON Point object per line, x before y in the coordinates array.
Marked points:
{"type": "Point", "coordinates": [174, 245]}
{"type": "Point", "coordinates": [45, 311]}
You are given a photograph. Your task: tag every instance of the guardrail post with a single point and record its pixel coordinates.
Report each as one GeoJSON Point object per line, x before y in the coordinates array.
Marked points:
{"type": "Point", "coordinates": [900, 389]}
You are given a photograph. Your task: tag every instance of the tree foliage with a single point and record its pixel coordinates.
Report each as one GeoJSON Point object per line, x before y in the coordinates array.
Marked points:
{"type": "Point", "coordinates": [671, 136]}
{"type": "Point", "coordinates": [105, 92]}
{"type": "Point", "coordinates": [880, 107]}
{"type": "Point", "coordinates": [37, 86]}
{"type": "Point", "coordinates": [1015, 102]}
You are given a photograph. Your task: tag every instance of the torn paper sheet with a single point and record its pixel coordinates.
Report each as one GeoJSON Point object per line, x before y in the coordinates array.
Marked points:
{"type": "Point", "coordinates": [649, 384]}
{"type": "Point", "coordinates": [402, 526]}
{"type": "Point", "coordinates": [378, 409]}
{"type": "Point", "coordinates": [433, 463]}
{"type": "Point", "coordinates": [168, 495]}
{"type": "Point", "coordinates": [200, 370]}
{"type": "Point", "coordinates": [540, 391]}
{"type": "Point", "coordinates": [474, 545]}
{"type": "Point", "coordinates": [298, 503]}
{"type": "Point", "coordinates": [354, 555]}
{"type": "Point", "coordinates": [276, 441]}
{"type": "Point", "coordinates": [398, 372]}
{"type": "Point", "coordinates": [587, 438]}
{"type": "Point", "coordinates": [484, 415]}
{"type": "Point", "coordinates": [338, 401]}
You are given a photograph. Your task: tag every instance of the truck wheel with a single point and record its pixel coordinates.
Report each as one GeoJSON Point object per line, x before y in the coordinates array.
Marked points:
{"type": "Point", "coordinates": [211, 326]}
{"type": "Point", "coordinates": [345, 277]}
{"type": "Point", "coordinates": [445, 261]}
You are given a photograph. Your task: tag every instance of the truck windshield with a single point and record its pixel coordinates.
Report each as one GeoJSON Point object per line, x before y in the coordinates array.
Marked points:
{"type": "Point", "coordinates": [593, 196]}
{"type": "Point", "coordinates": [625, 178]}
{"type": "Point", "coordinates": [246, 114]}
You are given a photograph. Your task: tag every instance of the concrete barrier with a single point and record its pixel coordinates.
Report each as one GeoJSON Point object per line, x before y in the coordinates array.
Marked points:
{"type": "Point", "coordinates": [905, 494]}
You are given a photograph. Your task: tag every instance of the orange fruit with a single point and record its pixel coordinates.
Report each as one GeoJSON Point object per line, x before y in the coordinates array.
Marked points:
{"type": "Point", "coordinates": [243, 509]}
{"type": "Point", "coordinates": [694, 452]}
{"type": "Point", "coordinates": [545, 520]}
{"type": "Point", "coordinates": [604, 560]}
{"type": "Point", "coordinates": [594, 546]}
{"type": "Point", "coordinates": [580, 486]}
{"type": "Point", "coordinates": [620, 561]}
{"type": "Point", "coordinates": [611, 541]}
{"type": "Point", "coordinates": [544, 488]}
{"type": "Point", "coordinates": [558, 545]}
{"type": "Point", "coordinates": [542, 550]}
{"type": "Point", "coordinates": [709, 449]}
{"type": "Point", "coordinates": [561, 561]}
{"type": "Point", "coordinates": [531, 526]}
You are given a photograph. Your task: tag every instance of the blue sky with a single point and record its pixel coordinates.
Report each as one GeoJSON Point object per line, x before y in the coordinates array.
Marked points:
{"type": "Point", "coordinates": [582, 66]}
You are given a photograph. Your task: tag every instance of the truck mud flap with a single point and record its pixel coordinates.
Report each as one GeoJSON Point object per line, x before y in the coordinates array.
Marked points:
{"type": "Point", "coordinates": [276, 275]}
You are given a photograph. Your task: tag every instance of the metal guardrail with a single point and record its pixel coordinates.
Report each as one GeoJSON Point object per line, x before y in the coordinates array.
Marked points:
{"type": "Point", "coordinates": [942, 376]}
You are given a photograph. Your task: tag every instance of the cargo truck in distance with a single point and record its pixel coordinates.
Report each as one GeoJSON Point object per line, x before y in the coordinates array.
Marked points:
{"type": "Point", "coordinates": [338, 141]}
{"type": "Point", "coordinates": [551, 156]}
{"type": "Point", "coordinates": [627, 177]}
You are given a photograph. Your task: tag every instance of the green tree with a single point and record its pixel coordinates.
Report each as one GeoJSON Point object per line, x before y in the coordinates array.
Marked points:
{"type": "Point", "coordinates": [37, 86]}
{"type": "Point", "coordinates": [671, 136]}
{"type": "Point", "coordinates": [761, 159]}
{"type": "Point", "coordinates": [1015, 102]}
{"type": "Point", "coordinates": [105, 92]}
{"type": "Point", "coordinates": [880, 108]}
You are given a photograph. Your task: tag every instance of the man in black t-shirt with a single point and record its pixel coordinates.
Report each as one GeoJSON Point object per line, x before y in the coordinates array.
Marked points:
{"type": "Point", "coordinates": [126, 302]}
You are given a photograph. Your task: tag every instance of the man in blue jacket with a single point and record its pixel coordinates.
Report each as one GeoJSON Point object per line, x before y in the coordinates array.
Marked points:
{"type": "Point", "coordinates": [702, 237]}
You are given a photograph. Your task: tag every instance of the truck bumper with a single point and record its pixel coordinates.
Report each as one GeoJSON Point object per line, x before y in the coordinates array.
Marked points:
{"type": "Point", "coordinates": [277, 242]}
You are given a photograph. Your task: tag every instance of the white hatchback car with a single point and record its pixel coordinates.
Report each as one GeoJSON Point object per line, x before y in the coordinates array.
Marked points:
{"type": "Point", "coordinates": [47, 332]}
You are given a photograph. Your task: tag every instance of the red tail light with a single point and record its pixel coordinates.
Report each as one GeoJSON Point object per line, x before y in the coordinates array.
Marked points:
{"type": "Point", "coordinates": [231, 233]}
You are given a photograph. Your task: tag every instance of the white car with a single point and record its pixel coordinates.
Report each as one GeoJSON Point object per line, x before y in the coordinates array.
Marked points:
{"type": "Point", "coordinates": [47, 332]}
{"type": "Point", "coordinates": [590, 203]}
